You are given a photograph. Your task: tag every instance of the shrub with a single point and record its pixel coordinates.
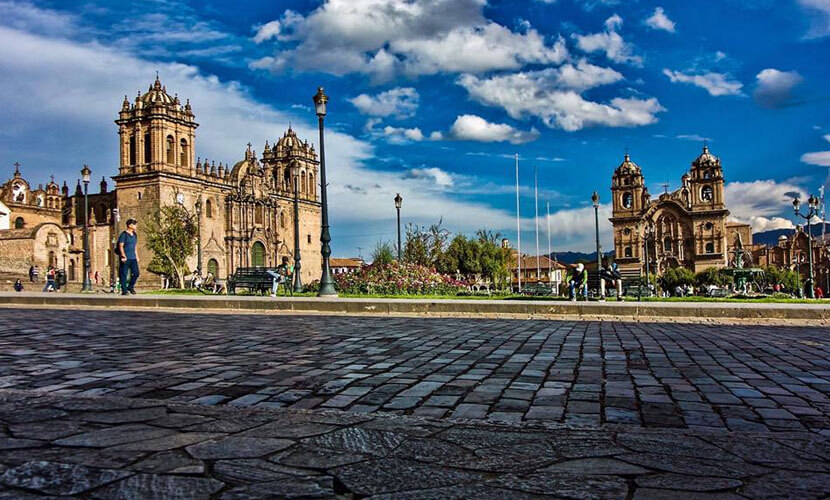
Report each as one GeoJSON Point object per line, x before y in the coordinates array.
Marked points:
{"type": "Point", "coordinates": [394, 278]}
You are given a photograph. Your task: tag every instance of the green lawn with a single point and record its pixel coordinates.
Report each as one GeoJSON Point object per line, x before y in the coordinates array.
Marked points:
{"type": "Point", "coordinates": [769, 300]}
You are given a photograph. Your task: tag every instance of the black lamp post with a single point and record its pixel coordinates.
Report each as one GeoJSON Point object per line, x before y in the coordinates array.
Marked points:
{"type": "Point", "coordinates": [813, 205]}
{"type": "Point", "coordinates": [326, 283]}
{"type": "Point", "coordinates": [398, 203]}
{"type": "Point", "coordinates": [595, 201]}
{"type": "Point", "coordinates": [298, 282]}
{"type": "Point", "coordinates": [86, 173]}
{"type": "Point", "coordinates": [199, 237]}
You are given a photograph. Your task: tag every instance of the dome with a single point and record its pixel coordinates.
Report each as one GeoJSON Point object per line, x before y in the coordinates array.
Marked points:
{"type": "Point", "coordinates": [157, 94]}
{"type": "Point", "coordinates": [628, 166]}
{"type": "Point", "coordinates": [706, 158]}
{"type": "Point", "coordinates": [289, 140]}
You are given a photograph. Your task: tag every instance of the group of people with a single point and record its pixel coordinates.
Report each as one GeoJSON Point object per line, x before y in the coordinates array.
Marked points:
{"type": "Point", "coordinates": [54, 279]}
{"type": "Point", "coordinates": [283, 275]}
{"type": "Point", "coordinates": [577, 280]}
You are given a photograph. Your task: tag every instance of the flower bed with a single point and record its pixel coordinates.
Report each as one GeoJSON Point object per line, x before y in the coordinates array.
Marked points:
{"type": "Point", "coordinates": [395, 279]}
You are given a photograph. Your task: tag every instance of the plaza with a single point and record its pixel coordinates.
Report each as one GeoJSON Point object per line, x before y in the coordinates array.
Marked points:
{"type": "Point", "coordinates": [135, 404]}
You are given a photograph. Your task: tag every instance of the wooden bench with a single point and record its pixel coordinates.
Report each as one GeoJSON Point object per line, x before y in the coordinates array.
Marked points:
{"type": "Point", "coordinates": [255, 279]}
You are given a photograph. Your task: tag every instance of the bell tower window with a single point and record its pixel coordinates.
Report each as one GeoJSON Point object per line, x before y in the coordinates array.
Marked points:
{"type": "Point", "coordinates": [627, 200]}
{"type": "Point", "coordinates": [710, 248]}
{"type": "Point", "coordinates": [133, 138]}
{"type": "Point", "coordinates": [706, 193]}
{"type": "Point", "coordinates": [183, 153]}
{"type": "Point", "coordinates": [171, 159]}
{"type": "Point", "coordinates": [148, 156]}
{"type": "Point", "coordinates": [628, 251]}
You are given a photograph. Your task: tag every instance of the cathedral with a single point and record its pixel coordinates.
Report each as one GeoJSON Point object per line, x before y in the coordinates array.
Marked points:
{"type": "Point", "coordinates": [684, 228]}
{"type": "Point", "coordinates": [247, 209]}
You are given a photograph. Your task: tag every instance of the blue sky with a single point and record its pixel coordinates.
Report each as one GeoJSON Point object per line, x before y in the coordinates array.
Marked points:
{"type": "Point", "coordinates": [432, 98]}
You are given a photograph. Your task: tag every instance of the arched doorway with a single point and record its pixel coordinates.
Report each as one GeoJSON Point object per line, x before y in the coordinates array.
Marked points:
{"type": "Point", "coordinates": [258, 254]}
{"type": "Point", "coordinates": [213, 267]}
{"type": "Point", "coordinates": [53, 261]}
{"type": "Point", "coordinates": [71, 269]}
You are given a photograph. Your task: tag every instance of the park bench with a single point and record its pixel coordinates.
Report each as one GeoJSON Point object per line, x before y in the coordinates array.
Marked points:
{"type": "Point", "coordinates": [255, 279]}
{"type": "Point", "coordinates": [537, 289]}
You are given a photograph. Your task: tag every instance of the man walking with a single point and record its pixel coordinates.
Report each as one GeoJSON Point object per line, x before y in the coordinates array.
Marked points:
{"type": "Point", "coordinates": [126, 249]}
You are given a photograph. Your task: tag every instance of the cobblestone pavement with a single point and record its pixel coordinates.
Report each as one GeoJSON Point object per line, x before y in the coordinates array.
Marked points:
{"type": "Point", "coordinates": [630, 375]}
{"type": "Point", "coordinates": [132, 449]}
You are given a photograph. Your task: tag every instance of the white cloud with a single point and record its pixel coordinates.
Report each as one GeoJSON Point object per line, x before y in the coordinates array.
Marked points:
{"type": "Point", "coordinates": [775, 87]}
{"type": "Point", "coordinates": [610, 42]}
{"type": "Point", "coordinates": [820, 158]}
{"type": "Point", "coordinates": [475, 128]}
{"type": "Point", "coordinates": [399, 135]}
{"type": "Point", "coordinates": [267, 31]}
{"type": "Point", "coordinates": [760, 224]}
{"type": "Point", "coordinates": [720, 56]}
{"type": "Point", "coordinates": [693, 137]}
{"type": "Point", "coordinates": [573, 229]}
{"type": "Point", "coordinates": [384, 38]}
{"type": "Point", "coordinates": [760, 202]}
{"type": "Point", "coordinates": [400, 102]}
{"type": "Point", "coordinates": [717, 84]}
{"type": "Point", "coordinates": [554, 95]}
{"type": "Point", "coordinates": [820, 20]}
{"type": "Point", "coordinates": [440, 177]}
{"type": "Point", "coordinates": [660, 21]}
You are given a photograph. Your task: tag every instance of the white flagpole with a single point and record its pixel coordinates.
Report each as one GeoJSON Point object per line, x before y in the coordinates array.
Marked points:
{"type": "Point", "coordinates": [536, 219]}
{"type": "Point", "coordinates": [518, 228]}
{"type": "Point", "coordinates": [823, 214]}
{"type": "Point", "coordinates": [550, 253]}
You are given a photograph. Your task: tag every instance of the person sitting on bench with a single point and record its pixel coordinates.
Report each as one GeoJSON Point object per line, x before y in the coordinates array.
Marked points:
{"type": "Point", "coordinates": [282, 276]}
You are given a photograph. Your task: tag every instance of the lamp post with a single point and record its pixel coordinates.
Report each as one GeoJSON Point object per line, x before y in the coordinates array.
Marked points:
{"type": "Point", "coordinates": [298, 282]}
{"type": "Point", "coordinates": [595, 201]}
{"type": "Point", "coordinates": [813, 205]}
{"type": "Point", "coordinates": [326, 283]}
{"type": "Point", "coordinates": [86, 173]}
{"type": "Point", "coordinates": [114, 256]}
{"type": "Point", "coordinates": [398, 203]}
{"type": "Point", "coordinates": [199, 237]}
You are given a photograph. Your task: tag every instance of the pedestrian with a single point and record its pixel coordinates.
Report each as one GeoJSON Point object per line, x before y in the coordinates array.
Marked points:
{"type": "Point", "coordinates": [96, 277]}
{"type": "Point", "coordinates": [50, 280]}
{"type": "Point", "coordinates": [126, 250]}
{"type": "Point", "coordinates": [578, 281]}
{"type": "Point", "coordinates": [35, 274]}
{"type": "Point", "coordinates": [18, 285]}
{"type": "Point", "coordinates": [819, 293]}
{"type": "Point", "coordinates": [31, 274]}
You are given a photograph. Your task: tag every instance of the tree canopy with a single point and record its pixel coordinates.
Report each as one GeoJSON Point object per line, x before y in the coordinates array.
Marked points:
{"type": "Point", "coordinates": [171, 236]}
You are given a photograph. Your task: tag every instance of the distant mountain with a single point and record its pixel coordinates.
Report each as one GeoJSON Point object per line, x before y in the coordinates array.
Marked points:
{"type": "Point", "coordinates": [771, 237]}
{"type": "Point", "coordinates": [574, 257]}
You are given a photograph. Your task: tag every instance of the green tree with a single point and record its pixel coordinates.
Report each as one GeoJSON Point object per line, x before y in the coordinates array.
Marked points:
{"type": "Point", "coordinates": [171, 236]}
{"type": "Point", "coordinates": [790, 280]}
{"type": "Point", "coordinates": [713, 276]}
{"type": "Point", "coordinates": [416, 247]}
{"type": "Point", "coordinates": [494, 260]}
{"type": "Point", "coordinates": [383, 254]}
{"type": "Point", "coordinates": [674, 277]}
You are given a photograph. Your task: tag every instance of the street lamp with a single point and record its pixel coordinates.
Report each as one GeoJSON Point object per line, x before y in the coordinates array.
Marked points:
{"type": "Point", "coordinates": [595, 201]}
{"type": "Point", "coordinates": [86, 173]}
{"type": "Point", "coordinates": [298, 282]}
{"type": "Point", "coordinates": [326, 283]}
{"type": "Point", "coordinates": [199, 237]}
{"type": "Point", "coordinates": [813, 205]}
{"type": "Point", "coordinates": [398, 203]}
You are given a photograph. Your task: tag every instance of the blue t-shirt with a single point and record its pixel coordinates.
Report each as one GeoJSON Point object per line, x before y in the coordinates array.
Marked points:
{"type": "Point", "coordinates": [129, 241]}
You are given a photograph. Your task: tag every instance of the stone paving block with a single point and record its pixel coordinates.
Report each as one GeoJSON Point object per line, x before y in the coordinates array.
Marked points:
{"type": "Point", "coordinates": [392, 475]}
{"type": "Point", "coordinates": [471, 411]}
{"type": "Point", "coordinates": [59, 479]}
{"type": "Point", "coordinates": [159, 488]}
{"type": "Point", "coordinates": [237, 447]}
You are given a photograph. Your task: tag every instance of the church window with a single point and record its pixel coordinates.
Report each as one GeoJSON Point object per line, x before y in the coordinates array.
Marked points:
{"type": "Point", "coordinates": [40, 201]}
{"type": "Point", "coordinates": [627, 200]}
{"type": "Point", "coordinates": [72, 270]}
{"type": "Point", "coordinates": [311, 185]}
{"type": "Point", "coordinates": [706, 193]}
{"type": "Point", "coordinates": [147, 152]}
{"type": "Point", "coordinates": [53, 260]}
{"type": "Point", "coordinates": [133, 139]}
{"type": "Point", "coordinates": [667, 244]}
{"type": "Point", "coordinates": [258, 254]}
{"type": "Point", "coordinates": [708, 226]}
{"type": "Point", "coordinates": [139, 195]}
{"type": "Point", "coordinates": [302, 183]}
{"type": "Point", "coordinates": [170, 153]}
{"type": "Point", "coordinates": [627, 231]}
{"type": "Point", "coordinates": [19, 223]}
{"type": "Point", "coordinates": [707, 174]}
{"type": "Point", "coordinates": [208, 209]}
{"type": "Point", "coordinates": [628, 251]}
{"type": "Point", "coordinates": [258, 214]}
{"type": "Point", "coordinates": [213, 267]}
{"type": "Point", "coordinates": [710, 248]}
{"type": "Point", "coordinates": [626, 181]}
{"type": "Point", "coordinates": [282, 219]}
{"type": "Point", "coordinates": [309, 239]}
{"type": "Point", "coordinates": [183, 153]}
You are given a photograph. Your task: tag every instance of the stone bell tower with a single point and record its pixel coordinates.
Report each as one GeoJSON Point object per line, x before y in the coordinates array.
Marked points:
{"type": "Point", "coordinates": [156, 133]}
{"type": "Point", "coordinates": [630, 199]}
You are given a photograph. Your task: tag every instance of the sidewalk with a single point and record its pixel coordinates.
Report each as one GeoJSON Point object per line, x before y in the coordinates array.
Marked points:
{"type": "Point", "coordinates": [112, 448]}
{"type": "Point", "coordinates": [816, 314]}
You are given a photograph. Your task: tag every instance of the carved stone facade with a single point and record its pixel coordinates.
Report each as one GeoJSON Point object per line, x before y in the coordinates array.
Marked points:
{"type": "Point", "coordinates": [688, 226]}
{"type": "Point", "coordinates": [247, 216]}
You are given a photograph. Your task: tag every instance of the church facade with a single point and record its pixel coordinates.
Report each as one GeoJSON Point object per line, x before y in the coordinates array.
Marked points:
{"type": "Point", "coordinates": [684, 228]}
{"type": "Point", "coordinates": [247, 209]}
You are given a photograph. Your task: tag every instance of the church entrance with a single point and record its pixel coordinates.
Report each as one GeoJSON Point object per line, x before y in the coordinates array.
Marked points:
{"type": "Point", "coordinates": [258, 255]}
